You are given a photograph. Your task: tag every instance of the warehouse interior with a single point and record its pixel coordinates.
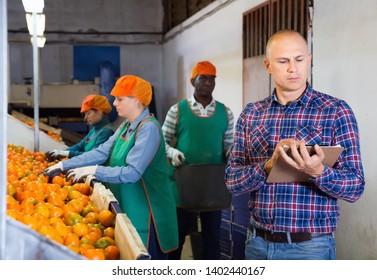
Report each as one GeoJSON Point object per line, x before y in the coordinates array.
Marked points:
{"type": "Point", "coordinates": [86, 49]}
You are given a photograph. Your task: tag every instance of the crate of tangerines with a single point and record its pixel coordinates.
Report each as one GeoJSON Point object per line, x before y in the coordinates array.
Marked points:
{"type": "Point", "coordinates": [65, 212]}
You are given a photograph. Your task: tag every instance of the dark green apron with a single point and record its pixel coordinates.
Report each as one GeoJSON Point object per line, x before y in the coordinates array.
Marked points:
{"type": "Point", "coordinates": [89, 144]}
{"type": "Point", "coordinates": [149, 199]}
{"type": "Point", "coordinates": [200, 139]}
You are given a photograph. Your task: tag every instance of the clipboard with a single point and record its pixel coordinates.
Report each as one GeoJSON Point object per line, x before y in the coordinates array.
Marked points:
{"type": "Point", "coordinates": [281, 172]}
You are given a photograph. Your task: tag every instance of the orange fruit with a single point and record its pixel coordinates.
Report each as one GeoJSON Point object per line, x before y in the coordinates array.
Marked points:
{"type": "Point", "coordinates": [52, 233]}
{"type": "Point", "coordinates": [42, 209]}
{"type": "Point", "coordinates": [106, 217]}
{"type": "Point", "coordinates": [112, 252]}
{"type": "Point", "coordinates": [86, 239]}
{"type": "Point", "coordinates": [74, 194]}
{"type": "Point", "coordinates": [87, 209]}
{"type": "Point", "coordinates": [74, 248]}
{"type": "Point", "coordinates": [56, 212]}
{"type": "Point", "coordinates": [80, 229]}
{"type": "Point", "coordinates": [94, 216]}
{"type": "Point", "coordinates": [109, 232]}
{"type": "Point", "coordinates": [51, 188]}
{"type": "Point", "coordinates": [31, 222]}
{"type": "Point", "coordinates": [55, 199]}
{"type": "Point", "coordinates": [68, 209]}
{"type": "Point", "coordinates": [62, 229]}
{"type": "Point", "coordinates": [63, 193]}
{"type": "Point", "coordinates": [11, 190]}
{"type": "Point", "coordinates": [77, 205]}
{"type": "Point", "coordinates": [84, 247]}
{"type": "Point", "coordinates": [102, 243]}
{"type": "Point", "coordinates": [56, 220]}
{"type": "Point", "coordinates": [83, 188]}
{"type": "Point", "coordinates": [72, 239]}
{"type": "Point", "coordinates": [94, 254]}
{"type": "Point", "coordinates": [58, 180]}
{"type": "Point", "coordinates": [72, 219]}
{"type": "Point", "coordinates": [96, 231]}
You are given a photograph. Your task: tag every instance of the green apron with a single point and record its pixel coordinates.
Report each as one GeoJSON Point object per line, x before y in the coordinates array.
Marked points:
{"type": "Point", "coordinates": [149, 199]}
{"type": "Point", "coordinates": [200, 139]}
{"type": "Point", "coordinates": [91, 141]}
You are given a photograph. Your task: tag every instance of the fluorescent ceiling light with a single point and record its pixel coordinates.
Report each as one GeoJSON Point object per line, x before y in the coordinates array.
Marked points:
{"type": "Point", "coordinates": [33, 6]}
{"type": "Point", "coordinates": [41, 22]}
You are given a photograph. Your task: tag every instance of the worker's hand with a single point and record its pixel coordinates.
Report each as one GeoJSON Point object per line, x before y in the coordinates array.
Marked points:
{"type": "Point", "coordinates": [54, 170]}
{"type": "Point", "coordinates": [79, 174]}
{"type": "Point", "coordinates": [90, 180]}
{"type": "Point", "coordinates": [283, 144]}
{"type": "Point", "coordinates": [310, 164]}
{"type": "Point", "coordinates": [177, 157]}
{"type": "Point", "coordinates": [56, 154]}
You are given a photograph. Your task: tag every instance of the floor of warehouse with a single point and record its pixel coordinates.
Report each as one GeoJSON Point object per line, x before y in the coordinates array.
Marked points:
{"type": "Point", "coordinates": [186, 250]}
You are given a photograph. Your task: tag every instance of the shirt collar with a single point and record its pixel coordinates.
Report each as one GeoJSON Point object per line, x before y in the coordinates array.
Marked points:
{"type": "Point", "coordinates": [104, 121]}
{"type": "Point", "coordinates": [304, 99]}
{"type": "Point", "coordinates": [193, 101]}
{"type": "Point", "coordinates": [139, 118]}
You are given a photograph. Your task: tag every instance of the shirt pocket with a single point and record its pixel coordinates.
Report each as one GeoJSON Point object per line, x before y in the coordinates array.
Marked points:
{"type": "Point", "coordinates": [259, 141]}
{"type": "Point", "coordinates": [311, 134]}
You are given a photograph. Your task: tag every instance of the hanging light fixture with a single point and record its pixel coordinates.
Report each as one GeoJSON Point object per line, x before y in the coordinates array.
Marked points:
{"type": "Point", "coordinates": [33, 6]}
{"type": "Point", "coordinates": [41, 40]}
{"type": "Point", "coordinates": [41, 23]}
{"type": "Point", "coordinates": [36, 25]}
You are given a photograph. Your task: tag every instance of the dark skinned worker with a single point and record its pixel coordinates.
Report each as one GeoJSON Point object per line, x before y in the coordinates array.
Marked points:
{"type": "Point", "coordinates": [203, 131]}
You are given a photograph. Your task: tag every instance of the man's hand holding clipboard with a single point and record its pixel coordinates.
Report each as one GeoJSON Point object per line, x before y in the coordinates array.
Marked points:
{"type": "Point", "coordinates": [293, 161]}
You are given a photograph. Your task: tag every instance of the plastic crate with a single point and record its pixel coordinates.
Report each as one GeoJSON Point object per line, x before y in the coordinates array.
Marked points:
{"type": "Point", "coordinates": [23, 243]}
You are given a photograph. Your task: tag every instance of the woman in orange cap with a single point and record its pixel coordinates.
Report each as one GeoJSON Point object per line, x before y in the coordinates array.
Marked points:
{"type": "Point", "coordinates": [95, 109]}
{"type": "Point", "coordinates": [135, 167]}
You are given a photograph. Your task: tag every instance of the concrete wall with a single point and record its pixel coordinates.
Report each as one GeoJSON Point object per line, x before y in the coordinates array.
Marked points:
{"type": "Point", "coordinates": [135, 26]}
{"type": "Point", "coordinates": [344, 53]}
{"type": "Point", "coordinates": [344, 56]}
{"type": "Point", "coordinates": [208, 35]}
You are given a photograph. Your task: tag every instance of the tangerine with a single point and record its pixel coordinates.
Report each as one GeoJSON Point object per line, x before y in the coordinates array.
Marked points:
{"type": "Point", "coordinates": [72, 219]}
{"type": "Point", "coordinates": [112, 252]}
{"type": "Point", "coordinates": [106, 217]}
{"type": "Point", "coordinates": [80, 229]}
{"type": "Point", "coordinates": [72, 239]}
{"type": "Point", "coordinates": [94, 254]}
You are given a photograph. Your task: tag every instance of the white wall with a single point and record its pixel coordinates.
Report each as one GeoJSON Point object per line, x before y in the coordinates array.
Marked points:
{"type": "Point", "coordinates": [217, 38]}
{"type": "Point", "coordinates": [344, 57]}
{"type": "Point", "coordinates": [344, 52]}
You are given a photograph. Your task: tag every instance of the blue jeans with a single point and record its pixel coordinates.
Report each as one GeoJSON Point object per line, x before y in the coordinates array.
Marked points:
{"type": "Point", "coordinates": [319, 248]}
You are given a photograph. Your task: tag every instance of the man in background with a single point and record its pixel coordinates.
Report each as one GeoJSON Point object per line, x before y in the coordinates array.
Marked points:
{"type": "Point", "coordinates": [199, 130]}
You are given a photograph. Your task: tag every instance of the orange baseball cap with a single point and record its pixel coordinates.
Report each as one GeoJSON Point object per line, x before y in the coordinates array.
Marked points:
{"type": "Point", "coordinates": [203, 68]}
{"type": "Point", "coordinates": [96, 102]}
{"type": "Point", "coordinates": [130, 85]}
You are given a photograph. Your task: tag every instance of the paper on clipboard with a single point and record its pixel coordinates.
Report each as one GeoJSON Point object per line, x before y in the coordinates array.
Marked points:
{"type": "Point", "coordinates": [282, 172]}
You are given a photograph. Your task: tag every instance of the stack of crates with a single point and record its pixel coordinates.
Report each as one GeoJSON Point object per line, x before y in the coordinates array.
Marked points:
{"type": "Point", "coordinates": [233, 230]}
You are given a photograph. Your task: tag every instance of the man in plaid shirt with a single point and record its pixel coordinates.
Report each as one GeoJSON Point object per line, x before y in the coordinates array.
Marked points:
{"type": "Point", "coordinates": [294, 220]}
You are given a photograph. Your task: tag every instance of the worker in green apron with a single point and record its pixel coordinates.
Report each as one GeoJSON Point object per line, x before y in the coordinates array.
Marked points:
{"type": "Point", "coordinates": [135, 166]}
{"type": "Point", "coordinates": [198, 130]}
{"type": "Point", "coordinates": [95, 109]}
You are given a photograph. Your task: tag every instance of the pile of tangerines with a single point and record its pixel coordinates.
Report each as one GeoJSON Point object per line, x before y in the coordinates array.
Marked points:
{"type": "Point", "coordinates": [56, 208]}
{"type": "Point", "coordinates": [53, 135]}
